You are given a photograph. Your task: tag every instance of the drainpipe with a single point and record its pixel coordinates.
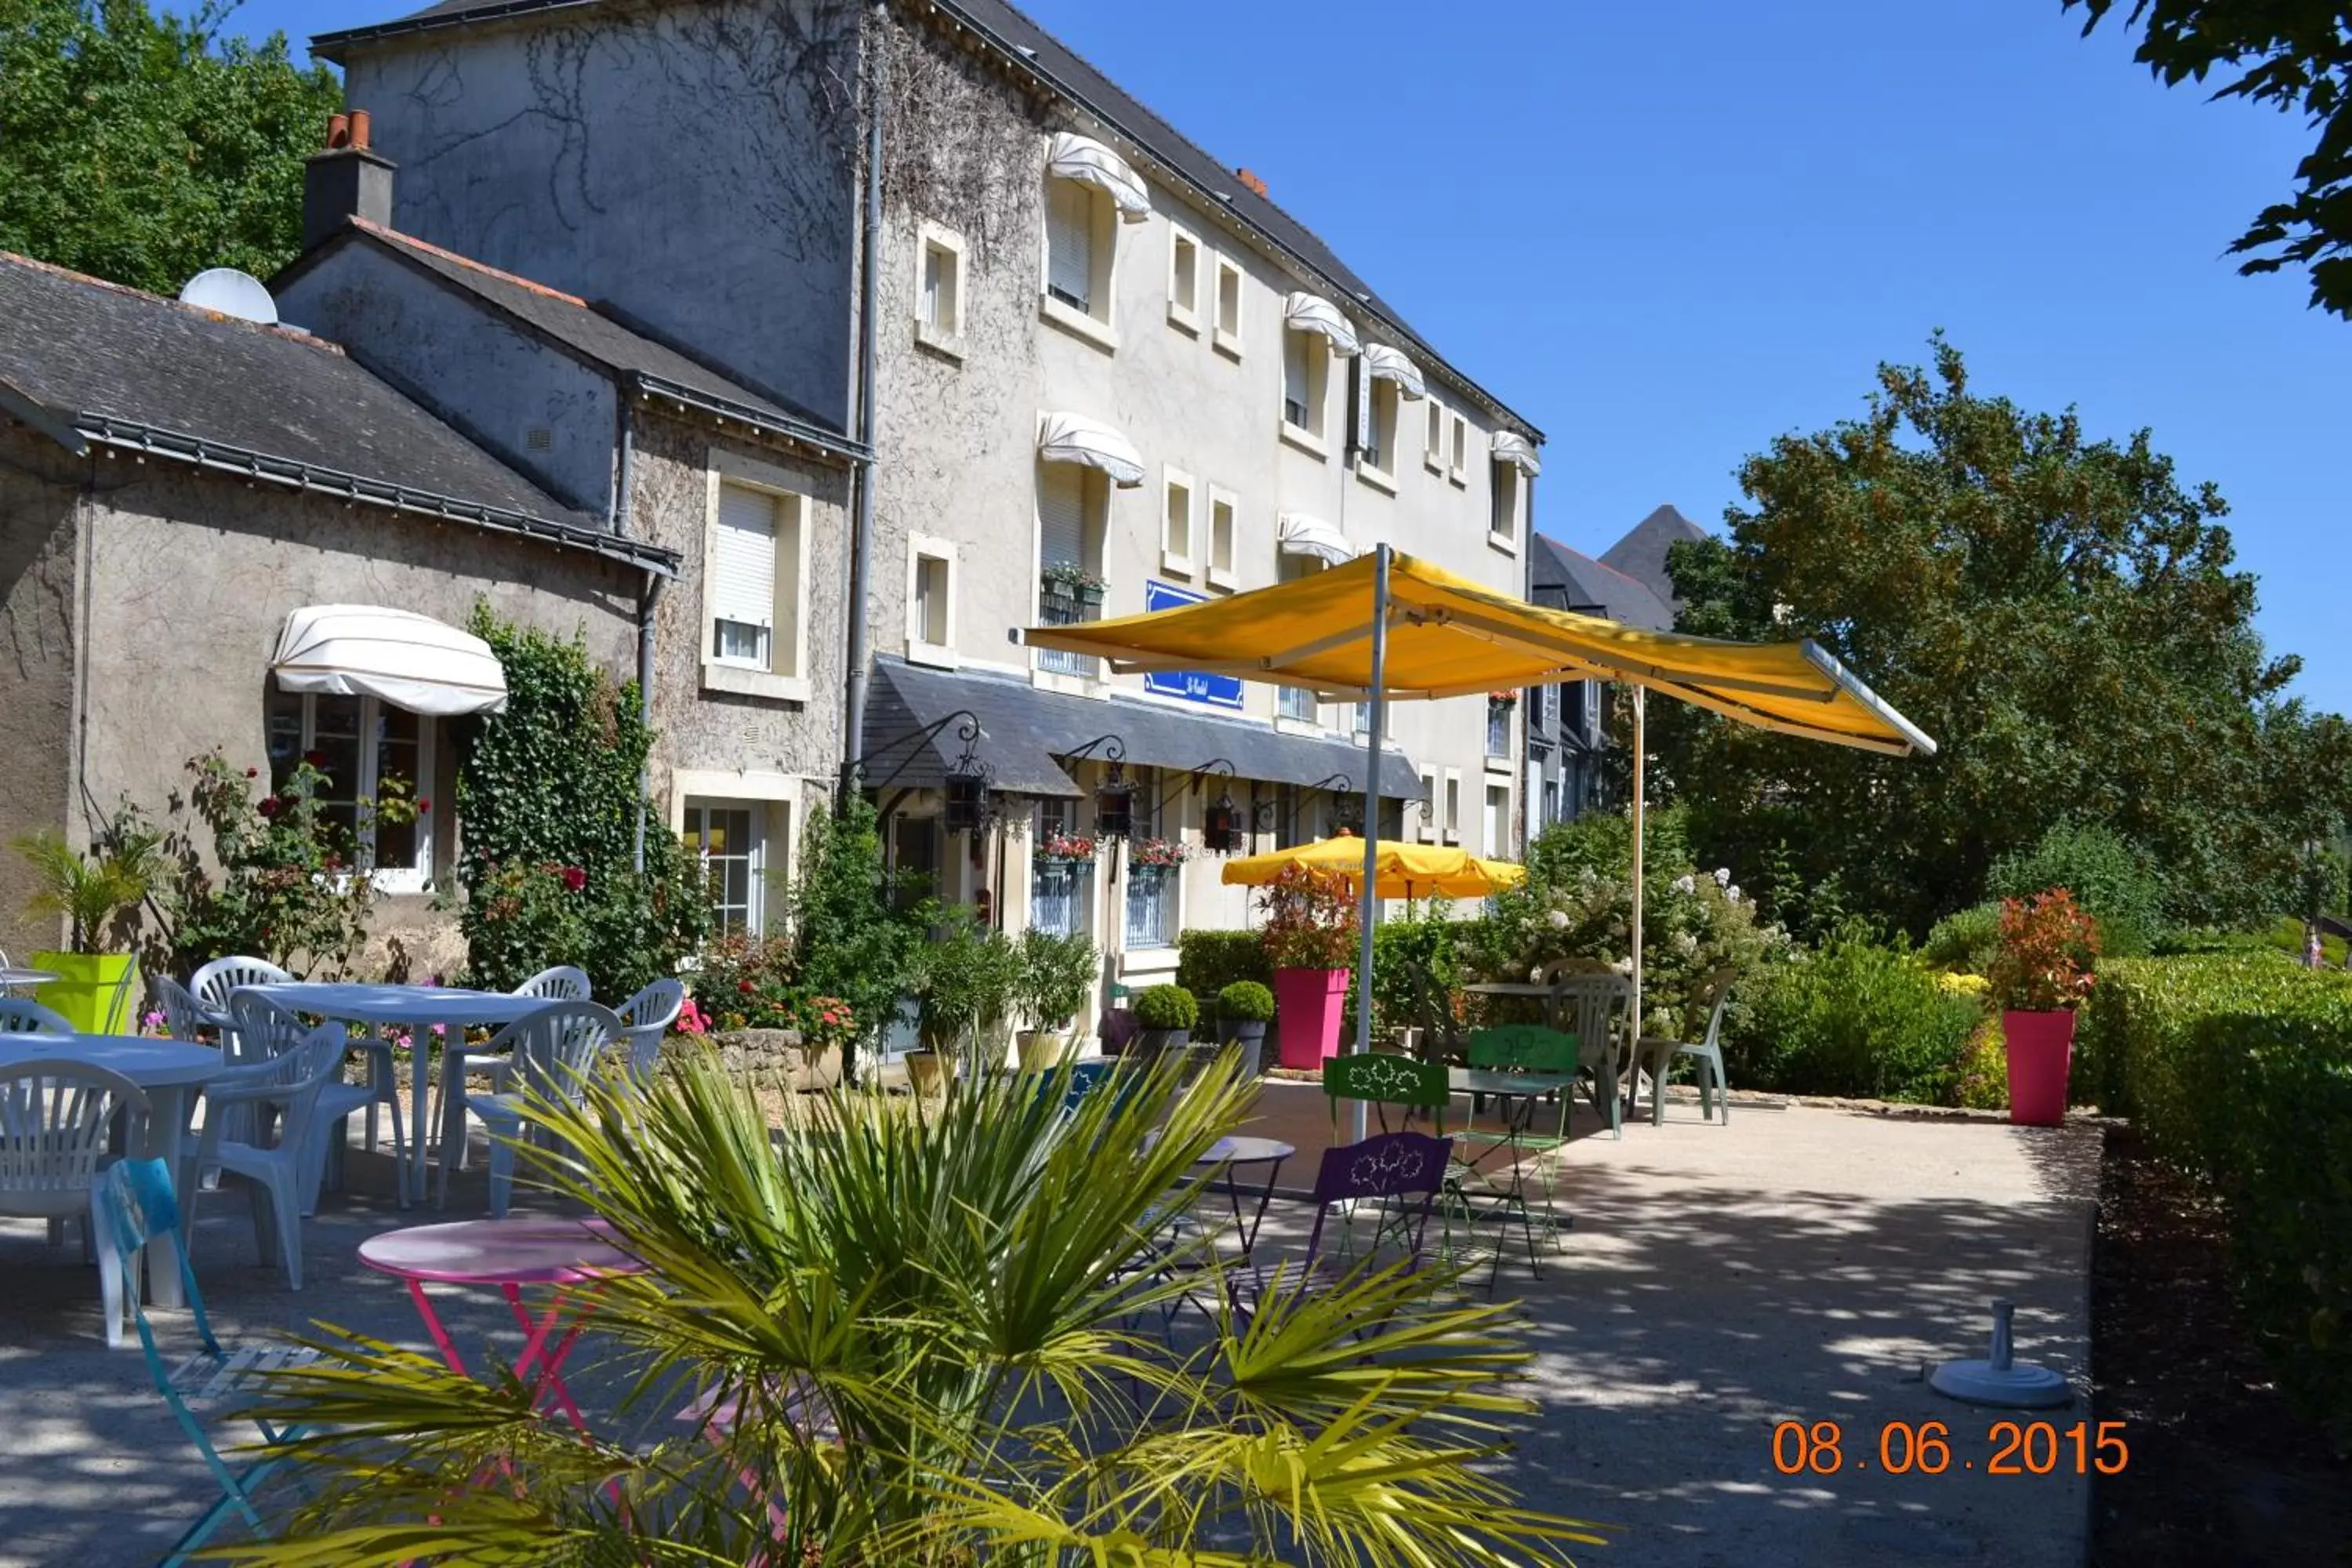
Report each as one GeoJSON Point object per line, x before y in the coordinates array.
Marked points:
{"type": "Point", "coordinates": [861, 538]}
{"type": "Point", "coordinates": [647, 603]}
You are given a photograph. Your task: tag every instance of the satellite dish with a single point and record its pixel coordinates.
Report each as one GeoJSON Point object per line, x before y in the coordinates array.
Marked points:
{"type": "Point", "coordinates": [231, 293]}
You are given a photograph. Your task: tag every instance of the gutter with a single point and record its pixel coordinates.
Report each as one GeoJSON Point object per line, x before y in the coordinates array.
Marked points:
{"type": "Point", "coordinates": [860, 650]}
{"type": "Point", "coordinates": [123, 435]}
{"type": "Point", "coordinates": [719, 408]}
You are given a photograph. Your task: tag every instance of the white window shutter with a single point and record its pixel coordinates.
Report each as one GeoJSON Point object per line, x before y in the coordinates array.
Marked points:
{"type": "Point", "coordinates": [742, 580]}
{"type": "Point", "coordinates": [1060, 515]}
{"type": "Point", "coordinates": [1070, 240]}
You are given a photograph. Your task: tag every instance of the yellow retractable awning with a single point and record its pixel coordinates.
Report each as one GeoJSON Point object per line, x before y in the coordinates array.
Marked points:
{"type": "Point", "coordinates": [1401, 870]}
{"type": "Point", "coordinates": [1449, 637]}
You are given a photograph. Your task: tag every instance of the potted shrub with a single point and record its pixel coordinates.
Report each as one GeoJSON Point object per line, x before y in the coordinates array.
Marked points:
{"type": "Point", "coordinates": [1310, 935]}
{"type": "Point", "coordinates": [93, 894]}
{"type": "Point", "coordinates": [2040, 974]}
{"type": "Point", "coordinates": [1054, 974]}
{"type": "Point", "coordinates": [1243, 1010]}
{"type": "Point", "coordinates": [1165, 1016]}
{"type": "Point", "coordinates": [964, 980]}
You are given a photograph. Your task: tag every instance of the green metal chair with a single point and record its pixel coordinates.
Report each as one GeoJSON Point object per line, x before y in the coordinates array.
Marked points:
{"type": "Point", "coordinates": [1527, 1048]}
{"type": "Point", "coordinates": [1381, 1081]}
{"type": "Point", "coordinates": [1656, 1056]}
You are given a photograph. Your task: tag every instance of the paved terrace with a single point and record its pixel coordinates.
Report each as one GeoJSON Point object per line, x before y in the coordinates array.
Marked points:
{"type": "Point", "coordinates": [1802, 1264]}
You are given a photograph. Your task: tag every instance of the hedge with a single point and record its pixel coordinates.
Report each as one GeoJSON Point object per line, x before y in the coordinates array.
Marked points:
{"type": "Point", "coordinates": [2239, 1067]}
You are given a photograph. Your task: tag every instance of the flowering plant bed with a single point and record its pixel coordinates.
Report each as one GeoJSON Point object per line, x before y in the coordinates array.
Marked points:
{"type": "Point", "coordinates": [1159, 852]}
{"type": "Point", "coordinates": [1066, 848]}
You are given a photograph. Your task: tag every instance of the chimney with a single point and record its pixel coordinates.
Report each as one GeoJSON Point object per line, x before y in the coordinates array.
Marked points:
{"type": "Point", "coordinates": [349, 180]}
{"type": "Point", "coordinates": [1252, 180]}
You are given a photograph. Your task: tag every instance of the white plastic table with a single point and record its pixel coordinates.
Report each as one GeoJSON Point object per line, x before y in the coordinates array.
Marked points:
{"type": "Point", "coordinates": [19, 979]}
{"type": "Point", "coordinates": [172, 1072]}
{"type": "Point", "coordinates": [417, 1008]}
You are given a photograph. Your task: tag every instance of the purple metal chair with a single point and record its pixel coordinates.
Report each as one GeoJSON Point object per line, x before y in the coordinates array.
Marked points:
{"type": "Point", "coordinates": [1401, 1172]}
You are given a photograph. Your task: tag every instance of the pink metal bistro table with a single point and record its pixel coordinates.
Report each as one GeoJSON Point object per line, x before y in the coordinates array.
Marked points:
{"type": "Point", "coordinates": [564, 1255]}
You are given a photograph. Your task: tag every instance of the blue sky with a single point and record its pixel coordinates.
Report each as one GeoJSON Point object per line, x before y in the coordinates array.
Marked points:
{"type": "Point", "coordinates": [1667, 232]}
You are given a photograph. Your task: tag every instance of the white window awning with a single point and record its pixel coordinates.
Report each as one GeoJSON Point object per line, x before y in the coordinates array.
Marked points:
{"type": "Point", "coordinates": [1304, 312]}
{"type": "Point", "coordinates": [1386, 363]}
{"type": "Point", "coordinates": [1066, 437]}
{"type": "Point", "coordinates": [1087, 160]}
{"type": "Point", "coordinates": [398, 657]}
{"type": "Point", "coordinates": [1303, 535]}
{"type": "Point", "coordinates": [1516, 450]}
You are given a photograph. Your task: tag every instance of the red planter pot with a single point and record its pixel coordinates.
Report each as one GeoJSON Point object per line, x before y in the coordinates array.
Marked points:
{"type": "Point", "coordinates": [1308, 1006]}
{"type": "Point", "coordinates": [2040, 1054]}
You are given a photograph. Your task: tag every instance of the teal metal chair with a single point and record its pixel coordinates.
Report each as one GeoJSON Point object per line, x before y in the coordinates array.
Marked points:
{"type": "Point", "coordinates": [136, 1204]}
{"type": "Point", "coordinates": [1527, 1048]}
{"type": "Point", "coordinates": [1656, 1056]}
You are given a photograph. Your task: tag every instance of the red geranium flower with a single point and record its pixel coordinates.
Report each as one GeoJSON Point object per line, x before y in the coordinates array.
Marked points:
{"type": "Point", "coordinates": [744, 986]}
{"type": "Point", "coordinates": [316, 758]}
{"type": "Point", "coordinates": [269, 806]}
{"type": "Point", "coordinates": [253, 773]}
{"type": "Point", "coordinates": [423, 806]}
{"type": "Point", "coordinates": [574, 878]}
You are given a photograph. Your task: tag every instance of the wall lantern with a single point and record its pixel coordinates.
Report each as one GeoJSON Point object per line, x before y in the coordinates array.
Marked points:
{"type": "Point", "coordinates": [1221, 826]}
{"type": "Point", "coordinates": [966, 807]}
{"type": "Point", "coordinates": [1115, 806]}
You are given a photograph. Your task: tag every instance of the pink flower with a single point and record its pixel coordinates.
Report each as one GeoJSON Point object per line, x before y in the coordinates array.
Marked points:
{"type": "Point", "coordinates": [575, 878]}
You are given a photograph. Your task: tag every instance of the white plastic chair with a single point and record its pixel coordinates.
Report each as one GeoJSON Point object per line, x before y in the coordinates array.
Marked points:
{"type": "Point", "coordinates": [561, 983]}
{"type": "Point", "coordinates": [55, 1121]}
{"type": "Point", "coordinates": [217, 982]}
{"type": "Point", "coordinates": [645, 1019]}
{"type": "Point", "coordinates": [1654, 1054]}
{"type": "Point", "coordinates": [1587, 1004]}
{"type": "Point", "coordinates": [23, 1016]}
{"type": "Point", "coordinates": [549, 1054]}
{"type": "Point", "coordinates": [265, 1031]}
{"type": "Point", "coordinates": [283, 1170]}
{"type": "Point", "coordinates": [184, 1015]}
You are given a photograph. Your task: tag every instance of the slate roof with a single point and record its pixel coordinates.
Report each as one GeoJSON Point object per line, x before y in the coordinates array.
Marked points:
{"type": "Point", "coordinates": [1580, 582]}
{"type": "Point", "coordinates": [1024, 728]}
{"type": "Point", "coordinates": [1642, 553]}
{"type": "Point", "coordinates": [88, 360]}
{"type": "Point", "coordinates": [1062, 68]}
{"type": "Point", "coordinates": [589, 332]}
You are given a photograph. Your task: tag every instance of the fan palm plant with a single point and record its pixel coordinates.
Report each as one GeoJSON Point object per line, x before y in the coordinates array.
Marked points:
{"type": "Point", "coordinates": [914, 1332]}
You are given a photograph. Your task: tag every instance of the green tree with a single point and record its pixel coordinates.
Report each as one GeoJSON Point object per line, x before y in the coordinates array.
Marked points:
{"type": "Point", "coordinates": [856, 928]}
{"type": "Point", "coordinates": [2294, 55]}
{"type": "Point", "coordinates": [144, 147]}
{"type": "Point", "coordinates": [2058, 612]}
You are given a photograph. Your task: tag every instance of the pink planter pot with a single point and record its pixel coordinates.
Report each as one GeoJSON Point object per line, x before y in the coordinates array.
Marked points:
{"type": "Point", "coordinates": [2041, 1053]}
{"type": "Point", "coordinates": [1308, 1004]}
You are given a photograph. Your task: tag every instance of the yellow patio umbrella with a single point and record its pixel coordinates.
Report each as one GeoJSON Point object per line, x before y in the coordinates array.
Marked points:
{"type": "Point", "coordinates": [1403, 870]}
{"type": "Point", "coordinates": [1387, 626]}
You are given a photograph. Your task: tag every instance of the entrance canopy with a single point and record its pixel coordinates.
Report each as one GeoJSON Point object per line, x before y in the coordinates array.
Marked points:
{"type": "Point", "coordinates": [398, 657]}
{"type": "Point", "coordinates": [1448, 637]}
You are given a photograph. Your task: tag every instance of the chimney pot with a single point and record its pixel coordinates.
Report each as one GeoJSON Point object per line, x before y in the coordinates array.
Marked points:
{"type": "Point", "coordinates": [349, 179]}
{"type": "Point", "coordinates": [1252, 180]}
{"type": "Point", "coordinates": [339, 129]}
{"type": "Point", "coordinates": [360, 123]}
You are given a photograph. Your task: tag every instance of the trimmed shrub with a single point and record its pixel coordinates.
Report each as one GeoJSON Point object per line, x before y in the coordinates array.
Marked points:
{"type": "Point", "coordinates": [1167, 1008]}
{"type": "Point", "coordinates": [1857, 1018]}
{"type": "Point", "coordinates": [1209, 961]}
{"type": "Point", "coordinates": [1244, 1002]}
{"type": "Point", "coordinates": [2239, 1067]}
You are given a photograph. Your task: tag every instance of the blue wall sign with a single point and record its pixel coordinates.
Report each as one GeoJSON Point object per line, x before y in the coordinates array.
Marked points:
{"type": "Point", "coordinates": [1216, 690]}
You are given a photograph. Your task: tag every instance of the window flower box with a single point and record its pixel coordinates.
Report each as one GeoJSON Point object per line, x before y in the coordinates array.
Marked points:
{"type": "Point", "coordinates": [1159, 852]}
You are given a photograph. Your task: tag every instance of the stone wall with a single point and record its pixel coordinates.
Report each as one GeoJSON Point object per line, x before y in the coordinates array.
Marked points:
{"type": "Point", "coordinates": [40, 506]}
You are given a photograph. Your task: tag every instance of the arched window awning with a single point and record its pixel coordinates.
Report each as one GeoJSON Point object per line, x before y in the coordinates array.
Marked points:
{"type": "Point", "coordinates": [399, 657]}
{"type": "Point", "coordinates": [1065, 437]}
{"type": "Point", "coordinates": [1087, 160]}
{"type": "Point", "coordinates": [1311, 536]}
{"type": "Point", "coordinates": [1516, 450]}
{"type": "Point", "coordinates": [1304, 312]}
{"type": "Point", "coordinates": [1386, 363]}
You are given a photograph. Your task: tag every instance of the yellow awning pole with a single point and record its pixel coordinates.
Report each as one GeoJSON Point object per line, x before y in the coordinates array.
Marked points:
{"type": "Point", "coordinates": [1369, 912]}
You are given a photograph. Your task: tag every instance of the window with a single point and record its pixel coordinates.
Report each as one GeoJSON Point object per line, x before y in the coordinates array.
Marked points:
{"type": "Point", "coordinates": [1547, 708]}
{"type": "Point", "coordinates": [369, 750]}
{"type": "Point", "coordinates": [1176, 525]}
{"type": "Point", "coordinates": [1072, 502]}
{"type": "Point", "coordinates": [1380, 423]}
{"type": "Point", "coordinates": [1451, 822]}
{"type": "Point", "coordinates": [1503, 520]}
{"type": "Point", "coordinates": [1221, 538]}
{"type": "Point", "coordinates": [1432, 451]}
{"type": "Point", "coordinates": [1305, 368]}
{"type": "Point", "coordinates": [752, 583]}
{"type": "Point", "coordinates": [1499, 727]}
{"type": "Point", "coordinates": [1081, 235]}
{"type": "Point", "coordinates": [939, 289]}
{"type": "Point", "coordinates": [1183, 281]}
{"type": "Point", "coordinates": [1296, 701]}
{"type": "Point", "coordinates": [1550, 802]}
{"type": "Point", "coordinates": [1152, 891]}
{"type": "Point", "coordinates": [1361, 722]}
{"type": "Point", "coordinates": [726, 836]}
{"type": "Point", "coordinates": [1228, 335]}
{"type": "Point", "coordinates": [930, 601]}
{"type": "Point", "coordinates": [1459, 472]}
{"type": "Point", "coordinates": [1498, 832]}
{"type": "Point", "coordinates": [1058, 890]}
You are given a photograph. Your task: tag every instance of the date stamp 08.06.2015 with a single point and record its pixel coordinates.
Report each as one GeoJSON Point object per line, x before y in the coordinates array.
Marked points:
{"type": "Point", "coordinates": [1926, 1448]}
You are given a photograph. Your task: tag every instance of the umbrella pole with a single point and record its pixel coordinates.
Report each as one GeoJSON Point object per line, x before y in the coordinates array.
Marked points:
{"type": "Point", "coordinates": [1641, 745]}
{"type": "Point", "coordinates": [1369, 913]}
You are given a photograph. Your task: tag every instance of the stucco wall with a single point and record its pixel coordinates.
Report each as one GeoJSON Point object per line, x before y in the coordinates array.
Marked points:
{"type": "Point", "coordinates": [686, 162]}
{"type": "Point", "coordinates": [489, 379]}
{"type": "Point", "coordinates": [38, 490]}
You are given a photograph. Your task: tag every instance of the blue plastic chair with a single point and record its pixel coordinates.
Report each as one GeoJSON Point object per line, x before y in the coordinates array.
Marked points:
{"type": "Point", "coordinates": [136, 1202]}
